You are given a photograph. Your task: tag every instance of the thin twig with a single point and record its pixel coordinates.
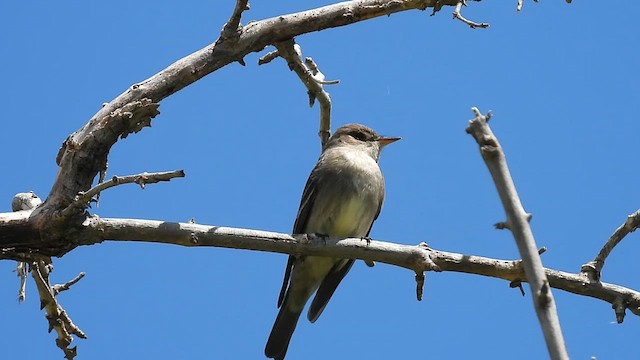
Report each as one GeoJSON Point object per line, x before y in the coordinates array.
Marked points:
{"type": "Point", "coordinates": [291, 52]}
{"type": "Point", "coordinates": [84, 198]}
{"type": "Point", "coordinates": [22, 272]}
{"type": "Point", "coordinates": [592, 270]}
{"type": "Point", "coordinates": [268, 57]}
{"type": "Point", "coordinates": [318, 76]}
{"type": "Point", "coordinates": [58, 288]}
{"type": "Point", "coordinates": [458, 15]}
{"type": "Point", "coordinates": [518, 223]}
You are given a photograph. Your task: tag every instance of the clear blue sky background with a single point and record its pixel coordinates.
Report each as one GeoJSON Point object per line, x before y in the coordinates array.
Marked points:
{"type": "Point", "coordinates": [562, 80]}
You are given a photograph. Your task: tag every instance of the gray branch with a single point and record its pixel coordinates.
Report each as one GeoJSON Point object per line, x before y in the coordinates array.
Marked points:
{"type": "Point", "coordinates": [592, 270]}
{"type": "Point", "coordinates": [416, 258]}
{"type": "Point", "coordinates": [457, 14]}
{"type": "Point", "coordinates": [84, 153]}
{"type": "Point", "coordinates": [312, 80]}
{"type": "Point", "coordinates": [56, 315]}
{"type": "Point", "coordinates": [518, 223]}
{"type": "Point", "coordinates": [20, 202]}
{"type": "Point", "coordinates": [83, 199]}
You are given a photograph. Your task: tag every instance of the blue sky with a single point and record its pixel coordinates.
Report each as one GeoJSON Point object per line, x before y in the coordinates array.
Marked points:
{"type": "Point", "coordinates": [563, 83]}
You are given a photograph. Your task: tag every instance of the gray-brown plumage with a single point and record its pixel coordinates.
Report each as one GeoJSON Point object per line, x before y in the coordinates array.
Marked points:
{"type": "Point", "coordinates": [342, 198]}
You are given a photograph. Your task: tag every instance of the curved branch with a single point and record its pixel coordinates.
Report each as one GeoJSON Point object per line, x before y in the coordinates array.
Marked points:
{"type": "Point", "coordinates": [84, 153]}
{"type": "Point", "coordinates": [592, 270]}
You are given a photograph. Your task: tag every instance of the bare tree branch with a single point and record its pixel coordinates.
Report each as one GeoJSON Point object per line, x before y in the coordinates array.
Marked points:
{"type": "Point", "coordinates": [140, 100]}
{"type": "Point", "coordinates": [59, 225]}
{"type": "Point", "coordinates": [24, 201]}
{"type": "Point", "coordinates": [292, 53]}
{"type": "Point", "coordinates": [415, 258]}
{"type": "Point", "coordinates": [518, 223]}
{"type": "Point", "coordinates": [57, 317]}
{"type": "Point", "coordinates": [58, 288]}
{"type": "Point", "coordinates": [592, 270]}
{"type": "Point", "coordinates": [457, 14]}
{"type": "Point", "coordinates": [84, 198]}
{"type": "Point", "coordinates": [40, 269]}
{"type": "Point", "coordinates": [232, 28]}
{"type": "Point", "coordinates": [22, 272]}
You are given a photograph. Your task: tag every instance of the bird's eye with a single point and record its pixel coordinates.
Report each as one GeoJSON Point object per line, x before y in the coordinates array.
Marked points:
{"type": "Point", "coordinates": [359, 136]}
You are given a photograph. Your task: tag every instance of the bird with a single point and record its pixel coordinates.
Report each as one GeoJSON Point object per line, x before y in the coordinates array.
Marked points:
{"type": "Point", "coordinates": [342, 198]}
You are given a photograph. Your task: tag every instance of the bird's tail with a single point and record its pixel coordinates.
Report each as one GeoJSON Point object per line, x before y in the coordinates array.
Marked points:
{"type": "Point", "coordinates": [281, 333]}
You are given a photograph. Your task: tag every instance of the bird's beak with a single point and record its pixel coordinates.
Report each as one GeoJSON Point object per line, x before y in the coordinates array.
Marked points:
{"type": "Point", "coordinates": [387, 140]}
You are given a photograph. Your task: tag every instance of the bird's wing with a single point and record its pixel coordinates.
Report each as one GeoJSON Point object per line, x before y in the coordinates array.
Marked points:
{"type": "Point", "coordinates": [380, 201]}
{"type": "Point", "coordinates": [328, 287]}
{"type": "Point", "coordinates": [335, 276]}
{"type": "Point", "coordinates": [370, 263]}
{"type": "Point", "coordinates": [306, 204]}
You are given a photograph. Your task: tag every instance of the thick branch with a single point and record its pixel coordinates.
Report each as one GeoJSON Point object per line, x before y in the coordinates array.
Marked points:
{"type": "Point", "coordinates": [416, 258]}
{"type": "Point", "coordinates": [232, 28]}
{"type": "Point", "coordinates": [518, 223]}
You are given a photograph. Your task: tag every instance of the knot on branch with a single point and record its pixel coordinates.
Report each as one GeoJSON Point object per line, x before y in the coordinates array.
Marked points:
{"type": "Point", "coordinates": [232, 28]}
{"type": "Point", "coordinates": [619, 306]}
{"type": "Point", "coordinates": [134, 116]}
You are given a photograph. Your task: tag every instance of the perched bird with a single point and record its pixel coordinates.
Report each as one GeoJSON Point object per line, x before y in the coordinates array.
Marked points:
{"type": "Point", "coordinates": [342, 198]}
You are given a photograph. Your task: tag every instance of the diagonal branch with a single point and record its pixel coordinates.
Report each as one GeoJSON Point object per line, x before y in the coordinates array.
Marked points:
{"type": "Point", "coordinates": [518, 223]}
{"type": "Point", "coordinates": [592, 270]}
{"type": "Point", "coordinates": [56, 315]}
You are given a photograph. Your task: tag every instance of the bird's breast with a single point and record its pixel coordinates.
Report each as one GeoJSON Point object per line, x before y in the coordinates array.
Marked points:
{"type": "Point", "coordinates": [350, 198]}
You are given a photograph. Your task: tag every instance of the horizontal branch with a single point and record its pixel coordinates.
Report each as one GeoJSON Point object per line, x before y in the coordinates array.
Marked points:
{"type": "Point", "coordinates": [416, 258]}
{"type": "Point", "coordinates": [83, 199]}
